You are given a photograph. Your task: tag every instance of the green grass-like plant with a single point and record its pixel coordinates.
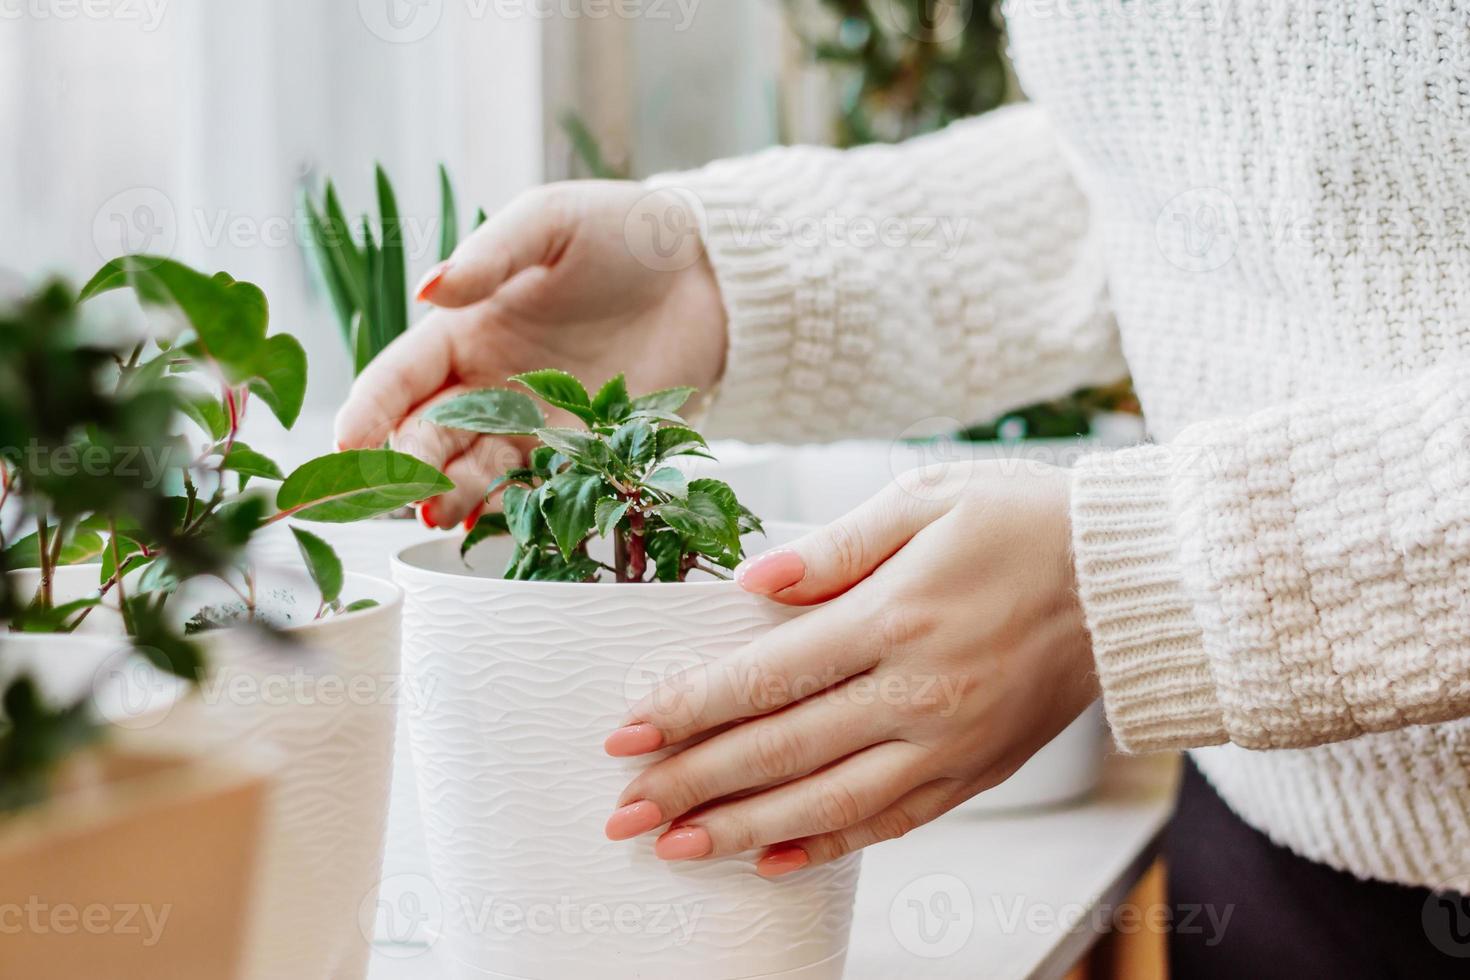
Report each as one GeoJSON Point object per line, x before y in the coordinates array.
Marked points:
{"type": "Point", "coordinates": [365, 273]}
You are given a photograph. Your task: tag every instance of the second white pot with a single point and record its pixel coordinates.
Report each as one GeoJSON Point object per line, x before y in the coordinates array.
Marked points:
{"type": "Point", "coordinates": [525, 680]}
{"type": "Point", "coordinates": [322, 699]}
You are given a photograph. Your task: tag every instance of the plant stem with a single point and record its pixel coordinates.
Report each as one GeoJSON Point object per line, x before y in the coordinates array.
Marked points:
{"type": "Point", "coordinates": [637, 548]}
{"type": "Point", "coordinates": [43, 547]}
{"type": "Point", "coordinates": [122, 595]}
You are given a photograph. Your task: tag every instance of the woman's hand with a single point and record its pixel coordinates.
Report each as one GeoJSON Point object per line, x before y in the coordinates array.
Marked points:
{"type": "Point", "coordinates": [593, 277]}
{"type": "Point", "coordinates": [952, 649]}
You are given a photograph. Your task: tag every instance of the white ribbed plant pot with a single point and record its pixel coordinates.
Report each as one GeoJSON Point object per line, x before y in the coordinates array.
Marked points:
{"type": "Point", "coordinates": [323, 703]}
{"type": "Point", "coordinates": [368, 548]}
{"type": "Point", "coordinates": [527, 679]}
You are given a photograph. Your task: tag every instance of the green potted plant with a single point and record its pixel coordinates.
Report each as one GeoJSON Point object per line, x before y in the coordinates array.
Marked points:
{"type": "Point", "coordinates": [362, 268]}
{"type": "Point", "coordinates": [87, 819]}
{"type": "Point", "coordinates": [605, 570]}
{"type": "Point", "coordinates": [274, 648]}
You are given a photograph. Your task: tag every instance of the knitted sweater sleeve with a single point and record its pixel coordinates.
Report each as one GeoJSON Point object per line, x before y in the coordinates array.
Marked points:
{"type": "Point", "coordinates": [876, 290]}
{"type": "Point", "coordinates": [1293, 577]}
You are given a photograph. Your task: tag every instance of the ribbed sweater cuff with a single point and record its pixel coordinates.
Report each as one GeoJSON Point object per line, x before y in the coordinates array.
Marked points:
{"type": "Point", "coordinates": [758, 281]}
{"type": "Point", "coordinates": [1155, 676]}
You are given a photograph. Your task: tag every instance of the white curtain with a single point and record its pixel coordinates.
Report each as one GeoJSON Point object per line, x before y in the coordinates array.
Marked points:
{"type": "Point", "coordinates": [185, 127]}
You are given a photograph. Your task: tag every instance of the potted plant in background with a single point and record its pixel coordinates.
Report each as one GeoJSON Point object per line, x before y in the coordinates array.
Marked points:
{"type": "Point", "coordinates": [602, 575]}
{"type": "Point", "coordinates": [169, 540]}
{"type": "Point", "coordinates": [91, 825]}
{"type": "Point", "coordinates": [362, 268]}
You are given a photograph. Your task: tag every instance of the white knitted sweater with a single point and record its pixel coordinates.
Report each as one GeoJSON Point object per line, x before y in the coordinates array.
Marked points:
{"type": "Point", "coordinates": [1263, 204]}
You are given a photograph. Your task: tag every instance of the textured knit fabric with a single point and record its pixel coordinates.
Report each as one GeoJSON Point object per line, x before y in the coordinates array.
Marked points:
{"type": "Point", "coordinates": [1263, 204]}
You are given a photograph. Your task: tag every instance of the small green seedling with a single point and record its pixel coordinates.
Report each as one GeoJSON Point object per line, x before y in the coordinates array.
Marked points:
{"type": "Point", "coordinates": [613, 477]}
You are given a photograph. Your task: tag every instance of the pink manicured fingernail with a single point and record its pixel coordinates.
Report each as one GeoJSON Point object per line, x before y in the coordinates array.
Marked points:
{"type": "Point", "coordinates": [633, 819]}
{"type": "Point", "coordinates": [634, 740]}
{"type": "Point", "coordinates": [684, 844]}
{"type": "Point", "coordinates": [782, 861]}
{"type": "Point", "coordinates": [771, 572]}
{"type": "Point", "coordinates": [431, 280]}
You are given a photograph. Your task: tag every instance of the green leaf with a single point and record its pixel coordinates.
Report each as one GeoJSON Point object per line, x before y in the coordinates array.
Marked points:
{"type": "Point", "coordinates": [345, 253]}
{"type": "Point", "coordinates": [609, 512]}
{"type": "Point", "coordinates": [156, 640]}
{"type": "Point", "coordinates": [201, 407]}
{"type": "Point", "coordinates": [702, 518]}
{"type": "Point", "coordinates": [667, 400]}
{"type": "Point", "coordinates": [129, 552]}
{"type": "Point", "coordinates": [55, 619]}
{"type": "Point", "coordinates": [569, 504]}
{"type": "Point", "coordinates": [480, 217]}
{"type": "Point", "coordinates": [612, 403]}
{"type": "Point", "coordinates": [448, 215]}
{"type": "Point", "coordinates": [670, 481]}
{"type": "Point", "coordinates": [280, 377]}
{"type": "Point", "coordinates": [634, 443]}
{"type": "Point", "coordinates": [522, 508]}
{"type": "Point", "coordinates": [522, 476]}
{"type": "Point", "coordinates": [679, 441]}
{"type": "Point", "coordinates": [370, 332]}
{"type": "Point", "coordinates": [360, 605]}
{"type": "Point", "coordinates": [544, 461]}
{"type": "Point", "coordinates": [561, 390]}
{"type": "Point", "coordinates": [394, 269]}
{"type": "Point", "coordinates": [488, 526]}
{"type": "Point", "coordinates": [322, 562]}
{"type": "Point", "coordinates": [229, 318]}
{"type": "Point", "coordinates": [358, 484]}
{"type": "Point", "coordinates": [81, 547]}
{"type": "Point", "coordinates": [577, 445]}
{"type": "Point", "coordinates": [666, 549]}
{"type": "Point", "coordinates": [362, 344]}
{"type": "Point", "coordinates": [492, 411]}
{"type": "Point", "coordinates": [329, 270]}
{"type": "Point", "coordinates": [247, 462]}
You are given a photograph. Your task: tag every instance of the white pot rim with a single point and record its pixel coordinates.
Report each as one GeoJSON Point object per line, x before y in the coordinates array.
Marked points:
{"type": "Point", "coordinates": [387, 594]}
{"type": "Point", "coordinates": [423, 562]}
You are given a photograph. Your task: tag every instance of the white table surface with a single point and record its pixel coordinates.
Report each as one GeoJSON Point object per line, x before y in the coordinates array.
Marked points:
{"type": "Point", "coordinates": [1016, 897]}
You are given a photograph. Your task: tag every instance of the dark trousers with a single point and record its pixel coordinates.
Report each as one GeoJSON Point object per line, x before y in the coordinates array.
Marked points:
{"type": "Point", "coordinates": [1246, 908]}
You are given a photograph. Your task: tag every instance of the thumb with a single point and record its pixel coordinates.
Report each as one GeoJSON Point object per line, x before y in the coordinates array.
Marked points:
{"type": "Point", "coordinates": [832, 559]}
{"type": "Point", "coordinates": [530, 231]}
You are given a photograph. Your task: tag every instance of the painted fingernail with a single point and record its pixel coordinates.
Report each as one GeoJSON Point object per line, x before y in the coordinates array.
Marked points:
{"type": "Point", "coordinates": [426, 516]}
{"type": "Point", "coordinates": [771, 572]}
{"type": "Point", "coordinates": [473, 519]}
{"type": "Point", "coordinates": [633, 819]}
{"type": "Point", "coordinates": [684, 844]}
{"type": "Point", "coordinates": [780, 861]}
{"type": "Point", "coordinates": [631, 740]}
{"type": "Point", "coordinates": [431, 280]}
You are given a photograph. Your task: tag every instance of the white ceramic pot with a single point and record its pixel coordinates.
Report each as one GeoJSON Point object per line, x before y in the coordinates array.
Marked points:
{"type": "Point", "coordinates": [526, 681]}
{"type": "Point", "coordinates": [323, 699]}
{"type": "Point", "coordinates": [368, 548]}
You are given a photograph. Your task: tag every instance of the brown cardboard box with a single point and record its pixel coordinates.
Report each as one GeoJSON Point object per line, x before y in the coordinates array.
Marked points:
{"type": "Point", "coordinates": [138, 868]}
